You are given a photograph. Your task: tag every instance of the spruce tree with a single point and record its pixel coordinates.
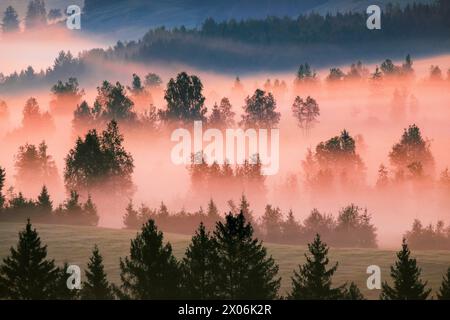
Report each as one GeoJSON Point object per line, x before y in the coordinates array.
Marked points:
{"type": "Point", "coordinates": [313, 279]}
{"type": "Point", "coordinates": [444, 290]}
{"type": "Point", "coordinates": [60, 290]}
{"type": "Point", "coordinates": [96, 286]}
{"type": "Point", "coordinates": [352, 292]}
{"type": "Point", "coordinates": [2, 183]}
{"type": "Point", "coordinates": [10, 22]}
{"type": "Point", "coordinates": [406, 276]}
{"type": "Point", "coordinates": [44, 203]}
{"type": "Point", "coordinates": [245, 270]}
{"type": "Point", "coordinates": [199, 266]}
{"type": "Point", "coordinates": [131, 218]}
{"type": "Point", "coordinates": [151, 271]}
{"type": "Point", "coordinates": [26, 273]}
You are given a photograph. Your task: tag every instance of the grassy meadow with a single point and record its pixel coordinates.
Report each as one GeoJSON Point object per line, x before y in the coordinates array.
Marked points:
{"type": "Point", "coordinates": [73, 244]}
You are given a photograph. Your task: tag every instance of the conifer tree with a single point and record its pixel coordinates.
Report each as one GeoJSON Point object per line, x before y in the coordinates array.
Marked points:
{"type": "Point", "coordinates": [151, 271]}
{"type": "Point", "coordinates": [131, 218]}
{"type": "Point", "coordinates": [352, 292]}
{"type": "Point", "coordinates": [406, 276]}
{"type": "Point", "coordinates": [245, 270]}
{"type": "Point", "coordinates": [444, 290]}
{"type": "Point", "coordinates": [313, 279]}
{"type": "Point", "coordinates": [26, 273]}
{"type": "Point", "coordinates": [200, 266]}
{"type": "Point", "coordinates": [44, 203]}
{"type": "Point", "coordinates": [60, 289]}
{"type": "Point", "coordinates": [10, 22]}
{"type": "Point", "coordinates": [2, 183]}
{"type": "Point", "coordinates": [96, 286]}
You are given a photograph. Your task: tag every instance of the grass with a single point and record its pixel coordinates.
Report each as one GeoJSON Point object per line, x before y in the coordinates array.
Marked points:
{"type": "Point", "coordinates": [73, 244]}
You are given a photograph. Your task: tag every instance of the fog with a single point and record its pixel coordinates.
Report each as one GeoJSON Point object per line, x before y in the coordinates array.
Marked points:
{"type": "Point", "coordinates": [359, 107]}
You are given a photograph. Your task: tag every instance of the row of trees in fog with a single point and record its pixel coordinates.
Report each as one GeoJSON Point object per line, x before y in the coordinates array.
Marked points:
{"type": "Point", "coordinates": [66, 66]}
{"type": "Point", "coordinates": [352, 227]}
{"type": "Point", "coordinates": [35, 17]}
{"type": "Point", "coordinates": [229, 263]}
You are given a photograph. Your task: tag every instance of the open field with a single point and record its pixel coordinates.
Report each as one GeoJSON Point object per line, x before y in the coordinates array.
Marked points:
{"type": "Point", "coordinates": [74, 244]}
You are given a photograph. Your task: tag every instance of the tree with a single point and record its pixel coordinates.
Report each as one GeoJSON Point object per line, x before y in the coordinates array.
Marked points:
{"type": "Point", "coordinates": [335, 75]}
{"type": "Point", "coordinates": [352, 292]}
{"type": "Point", "coordinates": [96, 286]}
{"type": "Point", "coordinates": [312, 281]}
{"type": "Point", "coordinates": [152, 80]}
{"type": "Point", "coordinates": [26, 273]}
{"type": "Point", "coordinates": [36, 14]}
{"type": "Point", "coordinates": [60, 289]}
{"type": "Point", "coordinates": [407, 67]}
{"type": "Point", "coordinates": [221, 116]}
{"type": "Point", "coordinates": [444, 290]}
{"type": "Point", "coordinates": [306, 112]}
{"type": "Point", "coordinates": [383, 177]}
{"type": "Point", "coordinates": [354, 228]}
{"type": "Point", "coordinates": [151, 271]}
{"type": "Point", "coordinates": [136, 85]}
{"type": "Point", "coordinates": [66, 95]}
{"type": "Point", "coordinates": [35, 164]}
{"type": "Point", "coordinates": [83, 118]}
{"type": "Point", "coordinates": [33, 119]}
{"type": "Point", "coordinates": [435, 73]}
{"type": "Point", "coordinates": [2, 184]}
{"type": "Point", "coordinates": [259, 111]}
{"type": "Point", "coordinates": [54, 14]}
{"type": "Point", "coordinates": [131, 217]}
{"type": "Point", "coordinates": [185, 101]}
{"type": "Point", "coordinates": [305, 75]}
{"type": "Point", "coordinates": [44, 203]}
{"type": "Point", "coordinates": [100, 161]}
{"type": "Point", "coordinates": [245, 271]}
{"type": "Point", "coordinates": [412, 148]}
{"type": "Point", "coordinates": [272, 224]}
{"type": "Point", "coordinates": [406, 277]}
{"type": "Point", "coordinates": [10, 22]}
{"type": "Point", "coordinates": [112, 103]}
{"type": "Point", "coordinates": [291, 229]}
{"type": "Point", "coordinates": [199, 267]}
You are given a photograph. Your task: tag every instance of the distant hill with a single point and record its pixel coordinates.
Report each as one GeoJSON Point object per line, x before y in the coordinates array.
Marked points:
{"type": "Point", "coordinates": [130, 19]}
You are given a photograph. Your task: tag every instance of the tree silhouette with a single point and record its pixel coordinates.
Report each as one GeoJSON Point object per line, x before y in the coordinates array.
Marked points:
{"type": "Point", "coordinates": [260, 111]}
{"type": "Point", "coordinates": [100, 161]}
{"type": "Point", "coordinates": [10, 22]}
{"type": "Point", "coordinates": [36, 14]}
{"type": "Point", "coordinates": [352, 292]}
{"type": "Point", "coordinates": [306, 113]}
{"type": "Point", "coordinates": [185, 101]}
{"type": "Point", "coordinates": [26, 273]}
{"type": "Point", "coordinates": [412, 148]}
{"type": "Point", "coordinates": [151, 271]}
{"type": "Point", "coordinates": [245, 271]}
{"type": "Point", "coordinates": [221, 115]}
{"type": "Point", "coordinates": [313, 279]}
{"type": "Point", "coordinates": [2, 184]}
{"type": "Point", "coordinates": [406, 277]}
{"type": "Point", "coordinates": [96, 286]}
{"type": "Point", "coordinates": [444, 290]}
{"type": "Point", "coordinates": [199, 267]}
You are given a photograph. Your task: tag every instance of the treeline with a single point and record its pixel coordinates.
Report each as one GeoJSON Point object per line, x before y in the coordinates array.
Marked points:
{"type": "Point", "coordinates": [435, 237]}
{"type": "Point", "coordinates": [36, 16]}
{"type": "Point", "coordinates": [72, 211]}
{"type": "Point", "coordinates": [229, 263]}
{"type": "Point", "coordinates": [259, 41]}
{"type": "Point", "coordinates": [351, 228]}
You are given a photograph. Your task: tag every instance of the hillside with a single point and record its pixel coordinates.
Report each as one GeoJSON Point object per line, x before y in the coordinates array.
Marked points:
{"type": "Point", "coordinates": [73, 244]}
